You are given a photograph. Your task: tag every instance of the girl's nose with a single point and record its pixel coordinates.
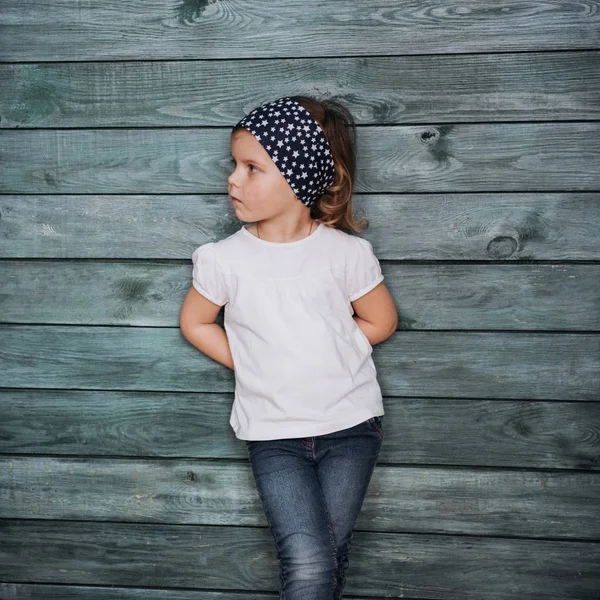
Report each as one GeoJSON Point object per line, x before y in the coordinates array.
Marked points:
{"type": "Point", "coordinates": [231, 186]}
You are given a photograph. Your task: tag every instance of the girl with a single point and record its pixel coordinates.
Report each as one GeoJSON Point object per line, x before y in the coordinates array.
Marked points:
{"type": "Point", "coordinates": [304, 304]}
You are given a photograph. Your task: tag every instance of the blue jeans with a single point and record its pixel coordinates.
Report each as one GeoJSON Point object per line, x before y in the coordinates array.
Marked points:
{"type": "Point", "coordinates": [312, 490]}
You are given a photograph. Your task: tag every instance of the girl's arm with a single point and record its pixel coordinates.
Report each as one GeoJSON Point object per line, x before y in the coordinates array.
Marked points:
{"type": "Point", "coordinates": [376, 314]}
{"type": "Point", "coordinates": [197, 324]}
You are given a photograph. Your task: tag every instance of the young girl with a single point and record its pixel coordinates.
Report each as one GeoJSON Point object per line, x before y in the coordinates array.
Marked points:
{"type": "Point", "coordinates": [304, 304]}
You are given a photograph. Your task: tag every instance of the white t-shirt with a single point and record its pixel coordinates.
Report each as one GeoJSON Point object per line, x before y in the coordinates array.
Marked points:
{"type": "Point", "coordinates": [302, 365]}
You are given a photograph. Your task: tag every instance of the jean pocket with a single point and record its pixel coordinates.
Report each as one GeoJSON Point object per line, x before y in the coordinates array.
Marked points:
{"type": "Point", "coordinates": [376, 425]}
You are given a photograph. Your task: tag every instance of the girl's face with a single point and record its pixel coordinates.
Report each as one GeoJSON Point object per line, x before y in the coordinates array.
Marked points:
{"type": "Point", "coordinates": [257, 188]}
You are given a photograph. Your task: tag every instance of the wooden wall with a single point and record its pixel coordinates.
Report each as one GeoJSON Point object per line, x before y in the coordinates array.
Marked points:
{"type": "Point", "coordinates": [479, 152]}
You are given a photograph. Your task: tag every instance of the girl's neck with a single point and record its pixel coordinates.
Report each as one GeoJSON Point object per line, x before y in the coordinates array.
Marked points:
{"type": "Point", "coordinates": [310, 225]}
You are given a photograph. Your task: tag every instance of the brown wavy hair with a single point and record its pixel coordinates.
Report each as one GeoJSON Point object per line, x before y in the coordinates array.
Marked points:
{"type": "Point", "coordinates": [334, 207]}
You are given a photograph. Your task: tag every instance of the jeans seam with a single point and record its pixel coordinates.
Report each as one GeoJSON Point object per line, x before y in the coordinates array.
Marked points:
{"type": "Point", "coordinates": [331, 541]}
{"type": "Point", "coordinates": [331, 534]}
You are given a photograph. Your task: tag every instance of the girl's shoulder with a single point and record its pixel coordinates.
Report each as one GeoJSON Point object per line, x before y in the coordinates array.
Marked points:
{"type": "Point", "coordinates": [350, 241]}
{"type": "Point", "coordinates": [220, 252]}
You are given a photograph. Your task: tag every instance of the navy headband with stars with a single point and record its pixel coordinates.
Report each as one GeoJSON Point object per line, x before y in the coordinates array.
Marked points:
{"type": "Point", "coordinates": [296, 144]}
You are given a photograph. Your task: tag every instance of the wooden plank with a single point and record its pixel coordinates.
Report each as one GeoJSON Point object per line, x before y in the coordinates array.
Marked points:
{"type": "Point", "coordinates": [412, 363]}
{"type": "Point", "coordinates": [487, 433]}
{"type": "Point", "coordinates": [508, 297]}
{"type": "Point", "coordinates": [457, 88]}
{"type": "Point", "coordinates": [429, 158]}
{"type": "Point", "coordinates": [231, 558]}
{"type": "Point", "coordinates": [170, 30]}
{"type": "Point", "coordinates": [399, 499]}
{"type": "Point", "coordinates": [30, 591]}
{"type": "Point", "coordinates": [438, 296]}
{"type": "Point", "coordinates": [488, 226]}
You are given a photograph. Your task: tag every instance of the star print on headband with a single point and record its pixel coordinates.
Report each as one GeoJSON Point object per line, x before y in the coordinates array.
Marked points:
{"type": "Point", "coordinates": [296, 144]}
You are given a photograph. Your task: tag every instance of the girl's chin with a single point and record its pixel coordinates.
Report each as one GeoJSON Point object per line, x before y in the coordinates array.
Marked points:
{"type": "Point", "coordinates": [244, 219]}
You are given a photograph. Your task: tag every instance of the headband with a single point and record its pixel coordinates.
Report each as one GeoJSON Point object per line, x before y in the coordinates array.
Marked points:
{"type": "Point", "coordinates": [296, 144]}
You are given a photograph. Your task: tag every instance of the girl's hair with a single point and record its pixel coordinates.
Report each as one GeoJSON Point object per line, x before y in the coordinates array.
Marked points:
{"type": "Point", "coordinates": [334, 207]}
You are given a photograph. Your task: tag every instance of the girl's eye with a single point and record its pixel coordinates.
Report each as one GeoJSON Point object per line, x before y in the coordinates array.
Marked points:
{"type": "Point", "coordinates": [232, 164]}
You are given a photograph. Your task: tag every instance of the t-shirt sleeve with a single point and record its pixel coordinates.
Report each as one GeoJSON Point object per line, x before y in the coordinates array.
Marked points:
{"type": "Point", "coordinates": [207, 277]}
{"type": "Point", "coordinates": [363, 271]}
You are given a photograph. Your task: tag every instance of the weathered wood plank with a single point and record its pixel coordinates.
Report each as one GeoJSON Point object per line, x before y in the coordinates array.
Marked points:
{"type": "Point", "coordinates": [208, 30]}
{"type": "Point", "coordinates": [30, 591]}
{"type": "Point", "coordinates": [414, 363]}
{"type": "Point", "coordinates": [423, 566]}
{"type": "Point", "coordinates": [456, 88]}
{"type": "Point", "coordinates": [429, 158]}
{"type": "Point", "coordinates": [561, 435]}
{"type": "Point", "coordinates": [489, 226]}
{"type": "Point", "coordinates": [438, 296]}
{"type": "Point", "coordinates": [403, 500]}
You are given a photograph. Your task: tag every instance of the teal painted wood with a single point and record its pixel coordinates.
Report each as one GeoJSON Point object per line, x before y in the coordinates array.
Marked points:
{"type": "Point", "coordinates": [429, 158]}
{"type": "Point", "coordinates": [410, 363]}
{"type": "Point", "coordinates": [242, 558]}
{"type": "Point", "coordinates": [484, 433]}
{"type": "Point", "coordinates": [29, 591]}
{"type": "Point", "coordinates": [491, 450]}
{"type": "Point", "coordinates": [546, 86]}
{"type": "Point", "coordinates": [400, 499]}
{"type": "Point", "coordinates": [436, 296]}
{"type": "Point", "coordinates": [488, 226]}
{"type": "Point", "coordinates": [209, 29]}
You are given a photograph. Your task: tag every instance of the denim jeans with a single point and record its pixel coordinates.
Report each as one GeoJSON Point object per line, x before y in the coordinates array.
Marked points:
{"type": "Point", "coordinates": [312, 490]}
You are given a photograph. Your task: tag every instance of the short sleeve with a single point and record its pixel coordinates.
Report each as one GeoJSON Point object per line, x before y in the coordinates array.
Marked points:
{"type": "Point", "coordinates": [363, 271]}
{"type": "Point", "coordinates": [207, 277]}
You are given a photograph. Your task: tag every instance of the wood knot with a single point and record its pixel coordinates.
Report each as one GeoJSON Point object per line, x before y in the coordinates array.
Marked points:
{"type": "Point", "coordinates": [502, 246]}
{"type": "Point", "coordinates": [191, 476]}
{"type": "Point", "coordinates": [429, 136]}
